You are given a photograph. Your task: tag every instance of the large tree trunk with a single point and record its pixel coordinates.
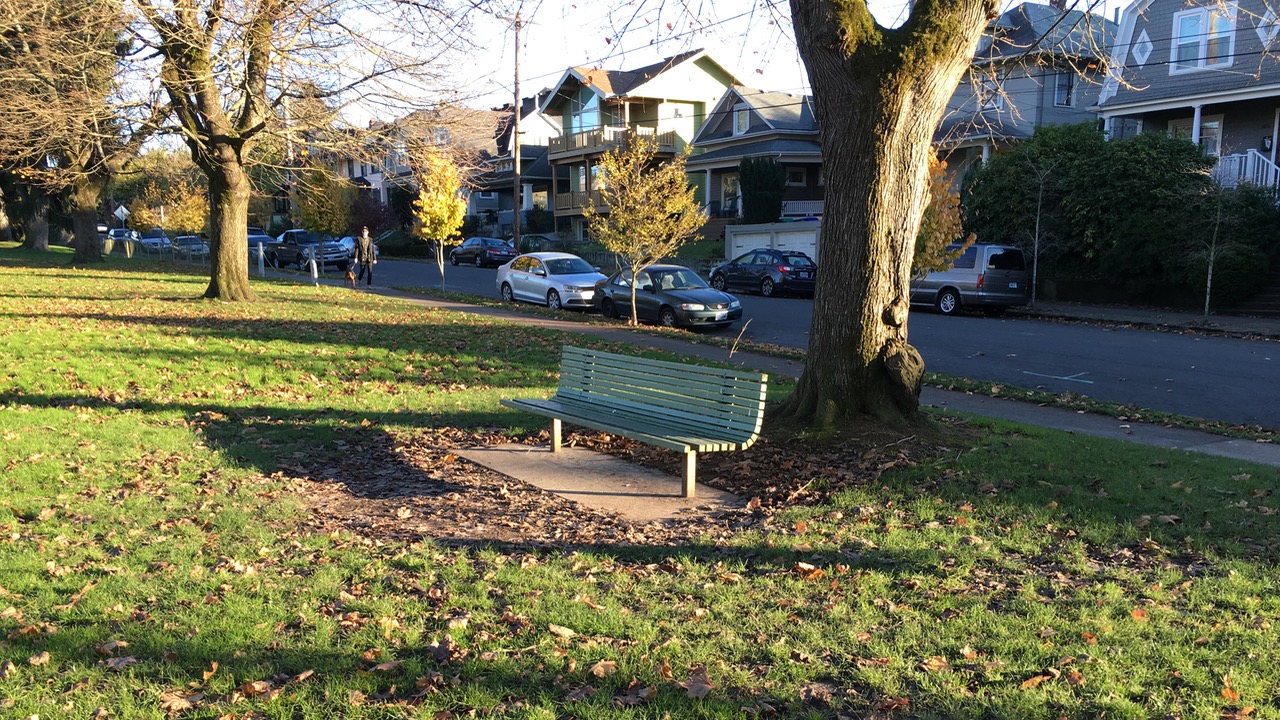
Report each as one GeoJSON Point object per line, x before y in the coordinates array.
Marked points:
{"type": "Point", "coordinates": [83, 198]}
{"type": "Point", "coordinates": [229, 191]}
{"type": "Point", "coordinates": [37, 224]}
{"type": "Point", "coordinates": [878, 96]}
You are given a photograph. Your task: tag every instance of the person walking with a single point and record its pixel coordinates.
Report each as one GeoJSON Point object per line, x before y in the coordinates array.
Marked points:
{"type": "Point", "coordinates": [366, 257]}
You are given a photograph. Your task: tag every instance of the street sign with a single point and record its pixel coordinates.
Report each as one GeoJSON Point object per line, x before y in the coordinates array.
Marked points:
{"type": "Point", "coordinates": [122, 212]}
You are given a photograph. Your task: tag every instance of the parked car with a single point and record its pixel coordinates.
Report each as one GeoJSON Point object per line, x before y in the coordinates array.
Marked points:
{"type": "Point", "coordinates": [669, 295]}
{"type": "Point", "coordinates": [122, 234]}
{"type": "Point", "coordinates": [482, 251]}
{"type": "Point", "coordinates": [154, 240]}
{"type": "Point", "coordinates": [296, 247]}
{"type": "Point", "coordinates": [258, 237]}
{"type": "Point", "coordinates": [767, 271]}
{"type": "Point", "coordinates": [991, 278]}
{"type": "Point", "coordinates": [557, 280]}
{"type": "Point", "coordinates": [535, 242]}
{"type": "Point", "coordinates": [190, 246]}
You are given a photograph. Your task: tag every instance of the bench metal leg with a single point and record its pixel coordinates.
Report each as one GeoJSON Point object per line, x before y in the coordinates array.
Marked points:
{"type": "Point", "coordinates": [690, 472]}
{"type": "Point", "coordinates": [555, 434]}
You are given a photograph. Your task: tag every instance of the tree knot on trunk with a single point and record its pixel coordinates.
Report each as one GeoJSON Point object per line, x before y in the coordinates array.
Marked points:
{"type": "Point", "coordinates": [905, 368]}
{"type": "Point", "coordinates": [895, 313]}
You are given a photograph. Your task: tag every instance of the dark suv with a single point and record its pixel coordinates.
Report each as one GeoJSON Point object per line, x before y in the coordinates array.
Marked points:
{"type": "Point", "coordinates": [767, 271]}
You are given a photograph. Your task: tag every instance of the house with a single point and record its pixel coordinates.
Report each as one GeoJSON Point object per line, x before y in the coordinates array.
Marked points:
{"type": "Point", "coordinates": [594, 108]}
{"type": "Point", "coordinates": [495, 194]}
{"type": "Point", "coordinates": [757, 123]}
{"type": "Point", "coordinates": [1204, 70]}
{"type": "Point", "coordinates": [1035, 65]}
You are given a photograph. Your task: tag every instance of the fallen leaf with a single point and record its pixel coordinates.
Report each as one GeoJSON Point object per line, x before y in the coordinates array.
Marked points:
{"type": "Point", "coordinates": [110, 647]}
{"type": "Point", "coordinates": [255, 688]}
{"type": "Point", "coordinates": [7, 670]}
{"type": "Point", "coordinates": [937, 663]}
{"type": "Point", "coordinates": [698, 684]}
{"type": "Point", "coordinates": [41, 658]}
{"type": "Point", "coordinates": [561, 631]}
{"type": "Point", "coordinates": [604, 668]}
{"type": "Point", "coordinates": [1075, 678]}
{"type": "Point", "coordinates": [388, 666]}
{"type": "Point", "coordinates": [967, 653]}
{"type": "Point", "coordinates": [1139, 615]}
{"type": "Point", "coordinates": [120, 663]}
{"type": "Point", "coordinates": [213, 668]}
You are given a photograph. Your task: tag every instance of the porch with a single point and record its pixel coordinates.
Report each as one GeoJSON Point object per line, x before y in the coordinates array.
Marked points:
{"type": "Point", "coordinates": [1250, 167]}
{"type": "Point", "coordinates": [604, 139]}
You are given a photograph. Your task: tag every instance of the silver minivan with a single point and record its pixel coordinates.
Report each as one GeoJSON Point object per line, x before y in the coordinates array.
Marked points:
{"type": "Point", "coordinates": [991, 278]}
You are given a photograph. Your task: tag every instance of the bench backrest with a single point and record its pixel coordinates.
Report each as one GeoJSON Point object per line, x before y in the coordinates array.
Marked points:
{"type": "Point", "coordinates": [729, 401]}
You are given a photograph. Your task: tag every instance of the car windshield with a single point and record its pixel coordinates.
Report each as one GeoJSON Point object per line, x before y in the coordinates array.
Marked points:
{"type": "Point", "coordinates": [568, 266]}
{"type": "Point", "coordinates": [681, 279]}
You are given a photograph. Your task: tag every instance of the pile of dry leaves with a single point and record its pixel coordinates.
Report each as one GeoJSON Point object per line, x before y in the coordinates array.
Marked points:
{"type": "Point", "coordinates": [415, 486]}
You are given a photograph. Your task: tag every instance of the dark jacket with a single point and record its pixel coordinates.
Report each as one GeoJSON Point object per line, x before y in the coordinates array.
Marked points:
{"type": "Point", "coordinates": [364, 250]}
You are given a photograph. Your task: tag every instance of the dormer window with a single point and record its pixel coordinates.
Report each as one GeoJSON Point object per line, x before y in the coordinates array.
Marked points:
{"type": "Point", "coordinates": [1064, 89]}
{"type": "Point", "coordinates": [1203, 38]}
{"type": "Point", "coordinates": [741, 119]}
{"type": "Point", "coordinates": [990, 96]}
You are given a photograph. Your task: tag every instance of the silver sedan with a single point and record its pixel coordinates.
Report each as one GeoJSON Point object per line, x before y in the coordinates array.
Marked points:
{"type": "Point", "coordinates": [557, 280]}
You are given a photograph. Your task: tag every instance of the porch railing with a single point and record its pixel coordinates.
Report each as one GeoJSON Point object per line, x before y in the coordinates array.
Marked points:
{"type": "Point", "coordinates": [578, 200]}
{"type": "Point", "coordinates": [1251, 167]}
{"type": "Point", "coordinates": [802, 208]}
{"type": "Point", "coordinates": [603, 139]}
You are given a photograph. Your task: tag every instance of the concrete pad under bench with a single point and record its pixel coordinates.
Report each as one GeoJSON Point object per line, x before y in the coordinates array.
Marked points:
{"type": "Point", "coordinates": [599, 481]}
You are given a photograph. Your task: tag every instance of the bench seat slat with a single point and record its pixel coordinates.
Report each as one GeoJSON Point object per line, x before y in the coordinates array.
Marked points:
{"type": "Point", "coordinates": [742, 421]}
{"type": "Point", "coordinates": [700, 393]}
{"type": "Point", "coordinates": [666, 367]}
{"type": "Point", "coordinates": [628, 426]}
{"type": "Point", "coordinates": [646, 419]}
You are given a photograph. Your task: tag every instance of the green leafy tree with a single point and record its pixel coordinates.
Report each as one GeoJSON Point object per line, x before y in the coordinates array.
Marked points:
{"type": "Point", "coordinates": [762, 181]}
{"type": "Point", "coordinates": [941, 239]}
{"type": "Point", "coordinates": [439, 207]}
{"type": "Point", "coordinates": [652, 208]}
{"type": "Point", "coordinates": [323, 202]}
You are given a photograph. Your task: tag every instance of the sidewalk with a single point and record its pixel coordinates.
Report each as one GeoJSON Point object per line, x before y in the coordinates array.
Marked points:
{"type": "Point", "coordinates": [955, 401]}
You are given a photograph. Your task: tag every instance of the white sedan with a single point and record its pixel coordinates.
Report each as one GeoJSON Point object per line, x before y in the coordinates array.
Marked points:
{"type": "Point", "coordinates": [557, 280]}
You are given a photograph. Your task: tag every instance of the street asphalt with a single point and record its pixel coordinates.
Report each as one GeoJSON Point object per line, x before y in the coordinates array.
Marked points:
{"type": "Point", "coordinates": [961, 402]}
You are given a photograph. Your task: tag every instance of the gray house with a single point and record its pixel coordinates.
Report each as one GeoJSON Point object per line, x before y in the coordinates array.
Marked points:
{"type": "Point", "coordinates": [1205, 70]}
{"type": "Point", "coordinates": [1035, 65]}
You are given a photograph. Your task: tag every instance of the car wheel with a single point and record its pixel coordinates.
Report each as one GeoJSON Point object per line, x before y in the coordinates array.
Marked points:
{"type": "Point", "coordinates": [479, 261]}
{"type": "Point", "coordinates": [507, 294]}
{"type": "Point", "coordinates": [717, 282]}
{"type": "Point", "coordinates": [948, 302]}
{"type": "Point", "coordinates": [766, 287]}
{"type": "Point", "coordinates": [302, 263]}
{"type": "Point", "coordinates": [453, 260]}
{"type": "Point", "coordinates": [608, 309]}
{"type": "Point", "coordinates": [667, 317]}
{"type": "Point", "coordinates": [553, 300]}
{"type": "Point", "coordinates": [273, 260]}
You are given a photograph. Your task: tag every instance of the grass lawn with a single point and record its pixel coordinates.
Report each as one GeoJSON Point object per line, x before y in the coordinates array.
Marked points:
{"type": "Point", "coordinates": [161, 555]}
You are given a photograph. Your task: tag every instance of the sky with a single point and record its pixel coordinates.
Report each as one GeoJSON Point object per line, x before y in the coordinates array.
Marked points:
{"type": "Point", "coordinates": [751, 38]}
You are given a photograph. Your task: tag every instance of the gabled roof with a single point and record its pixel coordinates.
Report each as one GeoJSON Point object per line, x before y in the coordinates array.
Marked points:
{"type": "Point", "coordinates": [781, 113]}
{"type": "Point", "coordinates": [1030, 29]}
{"type": "Point", "coordinates": [623, 83]}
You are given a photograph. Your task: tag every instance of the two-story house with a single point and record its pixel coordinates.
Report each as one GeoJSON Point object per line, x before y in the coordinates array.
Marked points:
{"type": "Point", "coordinates": [495, 194]}
{"type": "Point", "coordinates": [1035, 65]}
{"type": "Point", "coordinates": [1205, 70]}
{"type": "Point", "coordinates": [667, 101]}
{"type": "Point", "coordinates": [757, 123]}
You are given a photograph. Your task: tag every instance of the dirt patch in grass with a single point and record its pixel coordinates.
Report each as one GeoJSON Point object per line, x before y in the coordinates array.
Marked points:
{"type": "Point", "coordinates": [429, 491]}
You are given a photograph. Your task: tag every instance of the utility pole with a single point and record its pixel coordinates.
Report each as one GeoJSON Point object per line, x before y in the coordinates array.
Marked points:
{"type": "Point", "coordinates": [515, 146]}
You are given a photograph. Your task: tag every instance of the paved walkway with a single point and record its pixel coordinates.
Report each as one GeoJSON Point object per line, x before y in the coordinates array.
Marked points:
{"type": "Point", "coordinates": [947, 400]}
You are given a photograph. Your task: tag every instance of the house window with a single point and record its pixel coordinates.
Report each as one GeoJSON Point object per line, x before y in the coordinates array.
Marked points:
{"type": "Point", "coordinates": [1064, 89]}
{"type": "Point", "coordinates": [351, 168]}
{"type": "Point", "coordinates": [990, 96]}
{"type": "Point", "coordinates": [586, 116]}
{"type": "Point", "coordinates": [1210, 132]}
{"type": "Point", "coordinates": [741, 120]}
{"type": "Point", "coordinates": [1268, 27]}
{"type": "Point", "coordinates": [1203, 38]}
{"type": "Point", "coordinates": [1143, 48]}
{"type": "Point", "coordinates": [797, 177]}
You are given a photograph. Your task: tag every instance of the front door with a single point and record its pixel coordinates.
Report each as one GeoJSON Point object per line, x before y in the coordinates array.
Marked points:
{"type": "Point", "coordinates": [729, 192]}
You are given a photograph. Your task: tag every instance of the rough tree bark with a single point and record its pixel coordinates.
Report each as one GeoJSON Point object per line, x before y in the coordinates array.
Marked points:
{"type": "Point", "coordinates": [37, 225]}
{"type": "Point", "coordinates": [83, 198]}
{"type": "Point", "coordinates": [878, 94]}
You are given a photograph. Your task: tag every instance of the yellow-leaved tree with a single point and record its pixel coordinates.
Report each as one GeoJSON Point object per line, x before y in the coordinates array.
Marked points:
{"type": "Point", "coordinates": [439, 208]}
{"type": "Point", "coordinates": [939, 241]}
{"type": "Point", "coordinates": [181, 208]}
{"type": "Point", "coordinates": [652, 208]}
{"type": "Point", "coordinates": [324, 202]}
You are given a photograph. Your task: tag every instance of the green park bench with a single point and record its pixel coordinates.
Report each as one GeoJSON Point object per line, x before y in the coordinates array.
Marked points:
{"type": "Point", "coordinates": [689, 408]}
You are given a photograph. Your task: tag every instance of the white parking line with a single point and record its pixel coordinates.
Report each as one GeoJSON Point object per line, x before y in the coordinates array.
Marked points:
{"type": "Point", "coordinates": [1071, 378]}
